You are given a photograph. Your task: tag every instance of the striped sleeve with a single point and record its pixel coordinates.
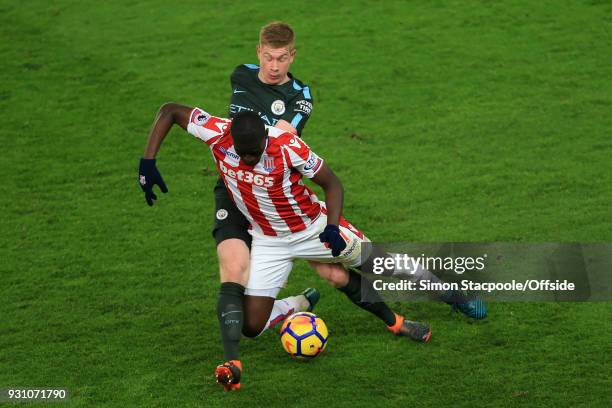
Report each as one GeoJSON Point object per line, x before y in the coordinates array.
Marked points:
{"type": "Point", "coordinates": [300, 157]}
{"type": "Point", "coordinates": [206, 127]}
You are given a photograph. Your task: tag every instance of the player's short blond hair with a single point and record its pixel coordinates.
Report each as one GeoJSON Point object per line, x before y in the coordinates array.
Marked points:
{"type": "Point", "coordinates": [277, 35]}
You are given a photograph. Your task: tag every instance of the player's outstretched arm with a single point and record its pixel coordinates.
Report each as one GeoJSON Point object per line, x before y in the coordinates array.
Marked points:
{"type": "Point", "coordinates": [334, 193]}
{"type": "Point", "coordinates": [286, 126]}
{"type": "Point", "coordinates": [168, 115]}
{"type": "Point", "coordinates": [334, 197]}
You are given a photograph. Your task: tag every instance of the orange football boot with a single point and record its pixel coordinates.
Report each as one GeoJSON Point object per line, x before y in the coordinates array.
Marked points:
{"type": "Point", "coordinates": [228, 374]}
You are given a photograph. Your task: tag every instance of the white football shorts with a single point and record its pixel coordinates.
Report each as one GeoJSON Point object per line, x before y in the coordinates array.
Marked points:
{"type": "Point", "coordinates": [272, 257]}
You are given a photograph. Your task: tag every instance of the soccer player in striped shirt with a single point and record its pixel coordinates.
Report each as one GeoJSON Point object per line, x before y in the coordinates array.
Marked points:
{"type": "Point", "coordinates": [263, 168]}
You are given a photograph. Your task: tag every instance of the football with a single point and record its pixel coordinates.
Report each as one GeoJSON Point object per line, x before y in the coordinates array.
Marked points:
{"type": "Point", "coordinates": [304, 335]}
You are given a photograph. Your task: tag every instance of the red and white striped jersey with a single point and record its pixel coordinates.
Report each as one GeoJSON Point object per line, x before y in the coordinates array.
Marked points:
{"type": "Point", "coordinates": [270, 194]}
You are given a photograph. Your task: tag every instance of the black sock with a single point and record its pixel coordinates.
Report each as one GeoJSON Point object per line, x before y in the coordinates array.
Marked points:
{"type": "Point", "coordinates": [367, 298]}
{"type": "Point", "coordinates": [453, 296]}
{"type": "Point", "coordinates": [229, 313]}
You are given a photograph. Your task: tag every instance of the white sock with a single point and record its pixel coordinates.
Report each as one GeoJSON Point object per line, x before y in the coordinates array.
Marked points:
{"type": "Point", "coordinates": [284, 308]}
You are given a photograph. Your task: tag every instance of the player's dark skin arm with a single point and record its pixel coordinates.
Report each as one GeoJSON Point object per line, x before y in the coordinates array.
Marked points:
{"type": "Point", "coordinates": [168, 115]}
{"type": "Point", "coordinates": [334, 193]}
{"type": "Point", "coordinates": [174, 113]}
{"type": "Point", "coordinates": [334, 196]}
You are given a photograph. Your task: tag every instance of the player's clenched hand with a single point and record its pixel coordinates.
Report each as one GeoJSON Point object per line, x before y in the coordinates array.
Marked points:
{"type": "Point", "coordinates": [148, 177]}
{"type": "Point", "coordinates": [331, 236]}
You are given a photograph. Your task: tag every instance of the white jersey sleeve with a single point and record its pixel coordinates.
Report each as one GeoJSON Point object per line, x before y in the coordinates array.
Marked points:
{"type": "Point", "coordinates": [206, 127]}
{"type": "Point", "coordinates": [301, 157]}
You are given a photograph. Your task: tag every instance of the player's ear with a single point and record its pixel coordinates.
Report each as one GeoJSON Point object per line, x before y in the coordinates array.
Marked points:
{"type": "Point", "coordinates": [292, 54]}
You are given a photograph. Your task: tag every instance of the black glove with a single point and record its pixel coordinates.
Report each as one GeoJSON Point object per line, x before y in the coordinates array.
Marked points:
{"type": "Point", "coordinates": [148, 177]}
{"type": "Point", "coordinates": [331, 236]}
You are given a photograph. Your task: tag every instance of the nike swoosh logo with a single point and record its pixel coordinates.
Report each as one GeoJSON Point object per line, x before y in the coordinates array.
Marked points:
{"type": "Point", "coordinates": [226, 313]}
{"type": "Point", "coordinates": [236, 91]}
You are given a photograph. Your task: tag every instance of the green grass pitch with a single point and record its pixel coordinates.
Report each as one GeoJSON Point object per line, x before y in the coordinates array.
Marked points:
{"type": "Point", "coordinates": [446, 121]}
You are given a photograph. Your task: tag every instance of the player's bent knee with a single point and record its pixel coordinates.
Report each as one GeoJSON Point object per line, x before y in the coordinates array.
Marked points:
{"type": "Point", "coordinates": [257, 310]}
{"type": "Point", "coordinates": [339, 277]}
{"type": "Point", "coordinates": [335, 274]}
{"type": "Point", "coordinates": [233, 261]}
{"type": "Point", "coordinates": [234, 271]}
{"type": "Point", "coordinates": [255, 323]}
{"type": "Point", "coordinates": [252, 331]}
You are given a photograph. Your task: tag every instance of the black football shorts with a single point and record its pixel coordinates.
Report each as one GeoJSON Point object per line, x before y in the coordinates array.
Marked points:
{"type": "Point", "coordinates": [229, 221]}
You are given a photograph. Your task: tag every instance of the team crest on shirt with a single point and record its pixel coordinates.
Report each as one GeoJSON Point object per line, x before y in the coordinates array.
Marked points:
{"type": "Point", "coordinates": [278, 107]}
{"type": "Point", "coordinates": [268, 164]}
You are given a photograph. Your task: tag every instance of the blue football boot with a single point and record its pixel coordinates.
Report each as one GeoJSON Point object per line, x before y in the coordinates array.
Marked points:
{"type": "Point", "coordinates": [467, 303]}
